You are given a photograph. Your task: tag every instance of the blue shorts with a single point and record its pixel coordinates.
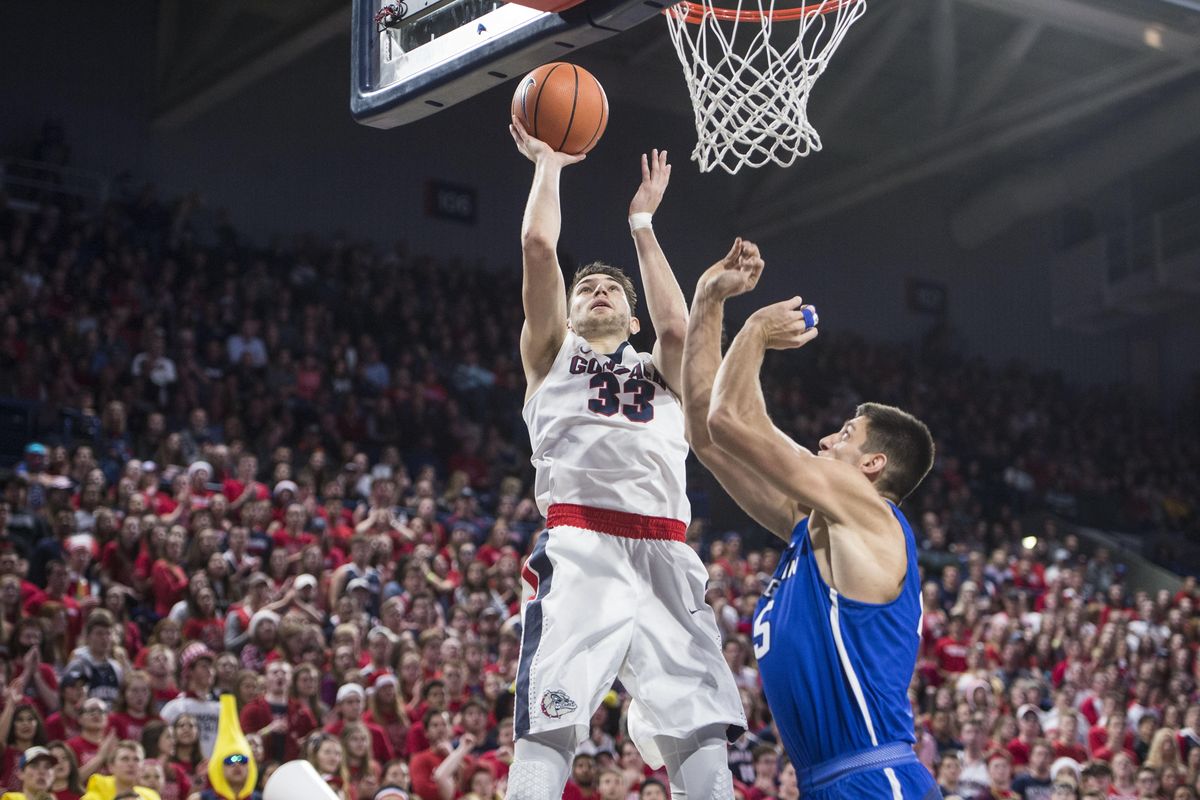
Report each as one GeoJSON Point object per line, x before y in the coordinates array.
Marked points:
{"type": "Point", "coordinates": [887, 772]}
{"type": "Point", "coordinates": [913, 780]}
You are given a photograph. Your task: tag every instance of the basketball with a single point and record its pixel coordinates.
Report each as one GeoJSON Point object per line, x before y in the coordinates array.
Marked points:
{"type": "Point", "coordinates": [563, 105]}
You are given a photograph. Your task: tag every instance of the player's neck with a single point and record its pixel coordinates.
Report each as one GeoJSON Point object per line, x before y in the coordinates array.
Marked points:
{"type": "Point", "coordinates": [605, 344]}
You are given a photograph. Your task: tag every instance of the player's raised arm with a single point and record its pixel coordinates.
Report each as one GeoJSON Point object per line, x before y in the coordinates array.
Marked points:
{"type": "Point", "coordinates": [739, 424]}
{"type": "Point", "coordinates": [664, 298]}
{"type": "Point", "coordinates": [543, 292]}
{"type": "Point", "coordinates": [735, 274]}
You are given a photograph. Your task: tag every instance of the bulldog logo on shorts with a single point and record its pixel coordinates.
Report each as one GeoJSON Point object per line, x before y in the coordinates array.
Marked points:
{"type": "Point", "coordinates": [556, 703]}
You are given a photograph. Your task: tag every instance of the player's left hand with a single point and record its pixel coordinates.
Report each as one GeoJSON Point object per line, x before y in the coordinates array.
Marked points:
{"type": "Point", "coordinates": [737, 273]}
{"type": "Point", "coordinates": [784, 326]}
{"type": "Point", "coordinates": [656, 174]}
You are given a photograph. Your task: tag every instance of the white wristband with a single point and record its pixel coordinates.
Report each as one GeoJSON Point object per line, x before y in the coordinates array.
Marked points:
{"type": "Point", "coordinates": [640, 220]}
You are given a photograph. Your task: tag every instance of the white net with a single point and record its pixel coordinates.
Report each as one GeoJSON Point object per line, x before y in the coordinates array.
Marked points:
{"type": "Point", "coordinates": [750, 94]}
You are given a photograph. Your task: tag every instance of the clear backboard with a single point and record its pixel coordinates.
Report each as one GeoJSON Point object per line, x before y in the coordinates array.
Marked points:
{"type": "Point", "coordinates": [413, 58]}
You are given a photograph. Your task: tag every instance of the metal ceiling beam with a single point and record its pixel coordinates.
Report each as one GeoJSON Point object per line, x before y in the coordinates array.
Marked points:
{"type": "Point", "coordinates": [998, 74]}
{"type": "Point", "coordinates": [952, 149]}
{"type": "Point", "coordinates": [204, 35]}
{"type": "Point", "coordinates": [1125, 30]}
{"type": "Point", "coordinates": [276, 57]}
{"type": "Point", "coordinates": [168, 38]}
{"type": "Point", "coordinates": [1137, 143]}
{"type": "Point", "coordinates": [869, 60]}
{"type": "Point", "coordinates": [944, 61]}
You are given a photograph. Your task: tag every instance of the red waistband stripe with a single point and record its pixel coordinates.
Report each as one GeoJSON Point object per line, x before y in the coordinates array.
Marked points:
{"type": "Point", "coordinates": [615, 523]}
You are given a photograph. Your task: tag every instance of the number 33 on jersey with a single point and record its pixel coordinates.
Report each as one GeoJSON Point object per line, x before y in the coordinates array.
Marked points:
{"type": "Point", "coordinates": [606, 430]}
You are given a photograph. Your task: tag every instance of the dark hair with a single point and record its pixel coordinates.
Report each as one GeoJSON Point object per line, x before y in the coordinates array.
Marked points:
{"type": "Point", "coordinates": [646, 784]}
{"type": "Point", "coordinates": [39, 734]}
{"type": "Point", "coordinates": [99, 618]}
{"type": "Point", "coordinates": [151, 733]}
{"type": "Point", "coordinates": [73, 783]}
{"type": "Point", "coordinates": [616, 273]}
{"type": "Point", "coordinates": [906, 442]}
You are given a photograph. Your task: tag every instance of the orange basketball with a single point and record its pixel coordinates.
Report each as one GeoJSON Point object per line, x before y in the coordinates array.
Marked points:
{"type": "Point", "coordinates": [563, 105]}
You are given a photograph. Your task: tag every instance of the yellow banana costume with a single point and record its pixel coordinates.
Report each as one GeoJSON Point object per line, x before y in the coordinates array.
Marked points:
{"type": "Point", "coordinates": [104, 787]}
{"type": "Point", "coordinates": [230, 742]}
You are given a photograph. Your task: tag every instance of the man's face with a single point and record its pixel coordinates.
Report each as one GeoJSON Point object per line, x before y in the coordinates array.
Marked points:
{"type": "Point", "coordinates": [126, 766]}
{"type": "Point", "coordinates": [236, 774]}
{"type": "Point", "coordinates": [100, 639]}
{"type": "Point", "coordinates": [351, 706]}
{"type": "Point", "coordinates": [599, 307]}
{"type": "Point", "coordinates": [94, 716]}
{"type": "Point", "coordinates": [1000, 772]}
{"type": "Point", "coordinates": [202, 672]}
{"type": "Point", "coordinates": [653, 792]}
{"type": "Point", "coordinates": [437, 730]}
{"type": "Point", "coordinates": [584, 772]}
{"type": "Point", "coordinates": [1147, 782]}
{"type": "Point", "coordinates": [37, 776]}
{"type": "Point", "coordinates": [278, 676]}
{"type": "Point", "coordinates": [766, 766]}
{"type": "Point", "coordinates": [847, 444]}
{"type": "Point", "coordinates": [611, 787]}
{"type": "Point", "coordinates": [474, 719]}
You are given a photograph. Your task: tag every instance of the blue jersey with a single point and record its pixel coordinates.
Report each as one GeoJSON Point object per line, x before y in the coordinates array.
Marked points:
{"type": "Point", "coordinates": [836, 671]}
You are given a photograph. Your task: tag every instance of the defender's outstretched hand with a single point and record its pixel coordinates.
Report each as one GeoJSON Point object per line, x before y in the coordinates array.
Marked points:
{"type": "Point", "coordinates": [656, 174]}
{"type": "Point", "coordinates": [786, 325]}
{"type": "Point", "coordinates": [535, 149]}
{"type": "Point", "coordinates": [737, 273]}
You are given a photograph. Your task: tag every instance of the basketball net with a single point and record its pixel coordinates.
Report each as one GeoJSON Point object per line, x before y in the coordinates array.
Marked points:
{"type": "Point", "coordinates": [749, 93]}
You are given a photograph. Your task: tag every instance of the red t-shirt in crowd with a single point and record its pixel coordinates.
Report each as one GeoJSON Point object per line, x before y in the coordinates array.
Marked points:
{"type": "Point", "coordinates": [60, 727]}
{"type": "Point", "coordinates": [128, 726]}
{"type": "Point", "coordinates": [573, 792]}
{"type": "Point", "coordinates": [951, 654]}
{"type": "Point", "coordinates": [1075, 751]}
{"type": "Point", "coordinates": [1019, 751]}
{"type": "Point", "coordinates": [210, 630]}
{"type": "Point", "coordinates": [420, 771]}
{"type": "Point", "coordinates": [258, 714]}
{"type": "Point", "coordinates": [84, 750]}
{"type": "Point", "coordinates": [169, 582]}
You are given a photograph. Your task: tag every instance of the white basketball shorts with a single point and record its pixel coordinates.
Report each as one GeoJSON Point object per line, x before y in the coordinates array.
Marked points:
{"type": "Point", "coordinates": [629, 603]}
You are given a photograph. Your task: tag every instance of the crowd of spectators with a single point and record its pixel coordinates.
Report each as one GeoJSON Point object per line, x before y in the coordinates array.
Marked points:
{"type": "Point", "coordinates": [299, 475]}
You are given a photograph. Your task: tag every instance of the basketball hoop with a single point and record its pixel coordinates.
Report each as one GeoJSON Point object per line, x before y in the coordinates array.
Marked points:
{"type": "Point", "coordinates": [749, 94]}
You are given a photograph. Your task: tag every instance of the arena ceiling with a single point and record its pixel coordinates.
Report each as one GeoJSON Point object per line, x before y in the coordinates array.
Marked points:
{"type": "Point", "coordinates": [1040, 101]}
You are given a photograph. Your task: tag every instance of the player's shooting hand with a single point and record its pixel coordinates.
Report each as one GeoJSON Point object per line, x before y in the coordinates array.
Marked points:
{"type": "Point", "coordinates": [536, 150]}
{"type": "Point", "coordinates": [737, 273]}
{"type": "Point", "coordinates": [656, 174]}
{"type": "Point", "coordinates": [782, 326]}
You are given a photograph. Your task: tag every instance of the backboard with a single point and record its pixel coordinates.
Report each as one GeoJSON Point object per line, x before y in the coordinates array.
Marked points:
{"type": "Point", "coordinates": [412, 58]}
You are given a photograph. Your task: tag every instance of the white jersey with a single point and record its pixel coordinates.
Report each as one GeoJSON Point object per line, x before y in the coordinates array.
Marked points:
{"type": "Point", "coordinates": [607, 432]}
